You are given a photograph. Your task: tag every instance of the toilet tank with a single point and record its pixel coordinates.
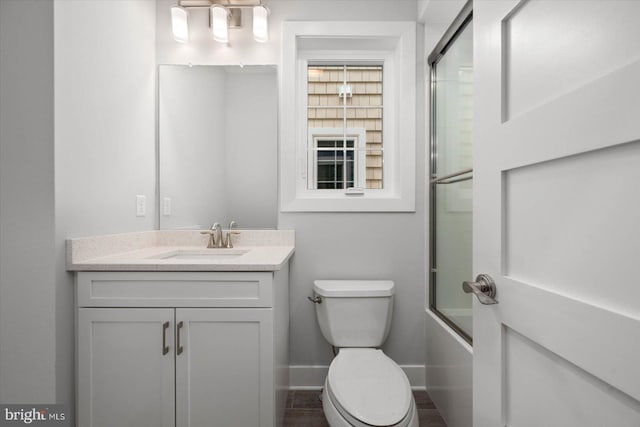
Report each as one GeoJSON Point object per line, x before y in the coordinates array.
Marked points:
{"type": "Point", "coordinates": [354, 313]}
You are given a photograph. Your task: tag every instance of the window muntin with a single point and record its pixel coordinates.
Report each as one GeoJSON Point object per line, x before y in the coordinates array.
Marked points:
{"type": "Point", "coordinates": [347, 97]}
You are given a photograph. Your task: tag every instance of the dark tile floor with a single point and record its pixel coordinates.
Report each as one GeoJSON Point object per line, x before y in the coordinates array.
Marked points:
{"type": "Point", "coordinates": [304, 409]}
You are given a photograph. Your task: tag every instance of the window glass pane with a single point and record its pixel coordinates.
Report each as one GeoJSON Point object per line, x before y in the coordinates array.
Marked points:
{"type": "Point", "coordinates": [326, 185]}
{"type": "Point", "coordinates": [339, 172]}
{"type": "Point", "coordinates": [345, 101]}
{"type": "Point", "coordinates": [326, 171]}
{"type": "Point", "coordinates": [325, 155]}
{"type": "Point", "coordinates": [326, 143]}
{"type": "Point", "coordinates": [350, 173]}
{"type": "Point", "coordinates": [323, 84]}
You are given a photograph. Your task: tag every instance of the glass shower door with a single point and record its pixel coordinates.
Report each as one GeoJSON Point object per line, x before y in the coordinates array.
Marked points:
{"type": "Point", "coordinates": [451, 189]}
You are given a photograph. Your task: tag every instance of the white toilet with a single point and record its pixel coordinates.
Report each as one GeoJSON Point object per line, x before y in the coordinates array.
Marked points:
{"type": "Point", "coordinates": [364, 387]}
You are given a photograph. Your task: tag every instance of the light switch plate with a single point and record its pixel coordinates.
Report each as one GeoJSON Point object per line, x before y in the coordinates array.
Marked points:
{"type": "Point", "coordinates": [141, 205]}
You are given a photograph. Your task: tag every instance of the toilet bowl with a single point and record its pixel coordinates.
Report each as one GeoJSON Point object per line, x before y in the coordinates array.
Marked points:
{"type": "Point", "coordinates": [364, 387]}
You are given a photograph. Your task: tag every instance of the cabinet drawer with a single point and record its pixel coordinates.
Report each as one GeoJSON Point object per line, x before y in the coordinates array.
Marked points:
{"type": "Point", "coordinates": [174, 289]}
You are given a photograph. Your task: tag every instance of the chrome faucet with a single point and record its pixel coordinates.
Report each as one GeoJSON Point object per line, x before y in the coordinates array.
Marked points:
{"type": "Point", "coordinates": [216, 238]}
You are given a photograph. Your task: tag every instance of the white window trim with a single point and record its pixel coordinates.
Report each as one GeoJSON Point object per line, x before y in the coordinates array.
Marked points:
{"type": "Point", "coordinates": [360, 143]}
{"type": "Point", "coordinates": [399, 130]}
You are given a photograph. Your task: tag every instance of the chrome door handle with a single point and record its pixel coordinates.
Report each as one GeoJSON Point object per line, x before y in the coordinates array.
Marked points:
{"type": "Point", "coordinates": [484, 287]}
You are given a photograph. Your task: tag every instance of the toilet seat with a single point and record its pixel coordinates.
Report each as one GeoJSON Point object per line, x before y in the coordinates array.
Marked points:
{"type": "Point", "coordinates": [369, 389]}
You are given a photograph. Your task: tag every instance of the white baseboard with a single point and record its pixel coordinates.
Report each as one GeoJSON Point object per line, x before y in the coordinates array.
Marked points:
{"type": "Point", "coordinates": [311, 377]}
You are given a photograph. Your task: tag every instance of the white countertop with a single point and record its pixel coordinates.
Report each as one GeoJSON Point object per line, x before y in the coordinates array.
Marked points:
{"type": "Point", "coordinates": [267, 250]}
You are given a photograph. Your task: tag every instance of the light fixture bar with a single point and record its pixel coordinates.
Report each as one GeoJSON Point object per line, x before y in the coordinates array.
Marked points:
{"type": "Point", "coordinates": [223, 14]}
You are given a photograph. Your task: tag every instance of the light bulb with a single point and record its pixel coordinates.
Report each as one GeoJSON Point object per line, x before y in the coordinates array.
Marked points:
{"type": "Point", "coordinates": [260, 24]}
{"type": "Point", "coordinates": [219, 25]}
{"type": "Point", "coordinates": [180, 24]}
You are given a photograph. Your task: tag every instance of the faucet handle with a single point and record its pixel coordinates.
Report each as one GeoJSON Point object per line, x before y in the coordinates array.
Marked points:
{"type": "Point", "coordinates": [212, 238]}
{"type": "Point", "coordinates": [228, 242]}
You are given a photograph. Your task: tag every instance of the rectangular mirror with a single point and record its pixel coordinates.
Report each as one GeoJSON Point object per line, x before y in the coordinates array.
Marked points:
{"type": "Point", "coordinates": [217, 131]}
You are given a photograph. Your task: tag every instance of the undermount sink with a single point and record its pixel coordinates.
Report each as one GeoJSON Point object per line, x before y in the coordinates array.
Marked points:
{"type": "Point", "coordinates": [215, 254]}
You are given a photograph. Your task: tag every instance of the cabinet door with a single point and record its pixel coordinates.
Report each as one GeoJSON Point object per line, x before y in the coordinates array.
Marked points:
{"type": "Point", "coordinates": [126, 370]}
{"type": "Point", "coordinates": [224, 374]}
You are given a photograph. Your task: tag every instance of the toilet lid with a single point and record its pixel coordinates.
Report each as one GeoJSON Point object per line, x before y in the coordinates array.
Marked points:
{"type": "Point", "coordinates": [369, 386]}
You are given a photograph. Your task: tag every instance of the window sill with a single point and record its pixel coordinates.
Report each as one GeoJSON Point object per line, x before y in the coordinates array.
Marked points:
{"type": "Point", "coordinates": [337, 201]}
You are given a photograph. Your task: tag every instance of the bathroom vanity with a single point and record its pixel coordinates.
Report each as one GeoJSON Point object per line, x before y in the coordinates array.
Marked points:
{"type": "Point", "coordinates": [172, 334]}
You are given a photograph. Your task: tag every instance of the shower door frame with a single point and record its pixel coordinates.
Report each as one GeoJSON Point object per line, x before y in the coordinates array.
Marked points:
{"type": "Point", "coordinates": [457, 26]}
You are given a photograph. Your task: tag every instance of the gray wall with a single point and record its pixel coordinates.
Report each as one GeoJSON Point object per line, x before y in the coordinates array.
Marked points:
{"type": "Point", "coordinates": [27, 291]}
{"type": "Point", "coordinates": [75, 172]}
{"type": "Point", "coordinates": [332, 245]}
{"type": "Point", "coordinates": [104, 137]}
{"type": "Point", "coordinates": [105, 114]}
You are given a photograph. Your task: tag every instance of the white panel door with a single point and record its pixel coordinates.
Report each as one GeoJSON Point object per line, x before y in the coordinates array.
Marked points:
{"type": "Point", "coordinates": [224, 368]}
{"type": "Point", "coordinates": [557, 212]}
{"type": "Point", "coordinates": [125, 367]}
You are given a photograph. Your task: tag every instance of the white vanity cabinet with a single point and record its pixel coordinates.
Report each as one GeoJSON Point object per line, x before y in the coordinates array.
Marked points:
{"type": "Point", "coordinates": [183, 349]}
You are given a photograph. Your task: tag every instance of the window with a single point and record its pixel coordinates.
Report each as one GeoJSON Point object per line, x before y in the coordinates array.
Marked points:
{"type": "Point", "coordinates": [336, 159]}
{"type": "Point", "coordinates": [348, 117]}
{"type": "Point", "coordinates": [345, 101]}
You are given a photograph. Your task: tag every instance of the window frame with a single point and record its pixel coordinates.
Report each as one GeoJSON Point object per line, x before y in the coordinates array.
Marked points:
{"type": "Point", "coordinates": [331, 134]}
{"type": "Point", "coordinates": [342, 43]}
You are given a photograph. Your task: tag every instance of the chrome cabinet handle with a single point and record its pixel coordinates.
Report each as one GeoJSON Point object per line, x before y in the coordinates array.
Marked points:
{"type": "Point", "coordinates": [484, 288]}
{"type": "Point", "coordinates": [179, 348]}
{"type": "Point", "coordinates": [165, 347]}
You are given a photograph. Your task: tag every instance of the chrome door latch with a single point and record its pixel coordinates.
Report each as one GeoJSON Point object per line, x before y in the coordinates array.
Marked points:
{"type": "Point", "coordinates": [484, 288]}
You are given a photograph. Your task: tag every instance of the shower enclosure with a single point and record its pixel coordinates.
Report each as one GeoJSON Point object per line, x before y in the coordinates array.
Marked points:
{"type": "Point", "coordinates": [451, 189]}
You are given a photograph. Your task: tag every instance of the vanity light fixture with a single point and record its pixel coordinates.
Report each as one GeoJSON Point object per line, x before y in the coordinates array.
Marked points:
{"type": "Point", "coordinates": [223, 14]}
{"type": "Point", "coordinates": [180, 24]}
{"type": "Point", "coordinates": [260, 23]}
{"type": "Point", "coordinates": [219, 23]}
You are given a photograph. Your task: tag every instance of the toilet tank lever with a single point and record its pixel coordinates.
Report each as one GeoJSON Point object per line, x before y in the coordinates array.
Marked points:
{"type": "Point", "coordinates": [316, 299]}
